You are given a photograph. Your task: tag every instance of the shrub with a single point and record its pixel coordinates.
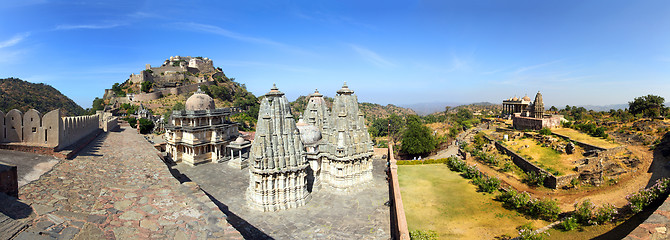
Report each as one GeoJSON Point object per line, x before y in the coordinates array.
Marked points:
{"type": "Point", "coordinates": [472, 172]}
{"type": "Point", "coordinates": [546, 209]}
{"type": "Point", "coordinates": [132, 121]}
{"type": "Point", "coordinates": [526, 232]}
{"type": "Point", "coordinates": [535, 178]}
{"type": "Point", "coordinates": [644, 197]}
{"type": "Point", "coordinates": [605, 214]}
{"type": "Point", "coordinates": [583, 212]}
{"type": "Point", "coordinates": [545, 131]}
{"type": "Point", "coordinates": [423, 235]}
{"type": "Point", "coordinates": [569, 224]}
{"type": "Point", "coordinates": [507, 167]}
{"type": "Point", "coordinates": [487, 184]}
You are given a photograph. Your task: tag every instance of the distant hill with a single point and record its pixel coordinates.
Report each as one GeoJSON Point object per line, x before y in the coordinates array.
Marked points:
{"type": "Point", "coordinates": [604, 108]}
{"type": "Point", "coordinates": [18, 94]}
{"type": "Point", "coordinates": [424, 109]}
{"type": "Point", "coordinates": [370, 110]}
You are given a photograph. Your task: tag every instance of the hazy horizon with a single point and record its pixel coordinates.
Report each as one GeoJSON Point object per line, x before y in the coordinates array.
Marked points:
{"type": "Point", "coordinates": [401, 53]}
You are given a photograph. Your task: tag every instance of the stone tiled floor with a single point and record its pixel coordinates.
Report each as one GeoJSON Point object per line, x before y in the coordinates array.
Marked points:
{"type": "Point", "coordinates": [359, 215]}
{"type": "Point", "coordinates": [118, 188]}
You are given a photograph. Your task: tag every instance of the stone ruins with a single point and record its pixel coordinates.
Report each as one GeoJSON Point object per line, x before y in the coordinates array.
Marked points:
{"type": "Point", "coordinates": [201, 132]}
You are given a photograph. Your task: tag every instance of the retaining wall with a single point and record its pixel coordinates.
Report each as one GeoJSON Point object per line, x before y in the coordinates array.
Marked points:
{"type": "Point", "coordinates": [399, 228]}
{"type": "Point", "coordinates": [585, 146]}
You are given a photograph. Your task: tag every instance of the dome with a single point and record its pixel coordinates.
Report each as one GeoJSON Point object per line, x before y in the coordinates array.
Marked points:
{"type": "Point", "coordinates": [309, 134]}
{"type": "Point", "coordinates": [200, 101]}
{"type": "Point", "coordinates": [515, 99]}
{"type": "Point", "coordinates": [526, 98]}
{"type": "Point", "coordinates": [240, 140]}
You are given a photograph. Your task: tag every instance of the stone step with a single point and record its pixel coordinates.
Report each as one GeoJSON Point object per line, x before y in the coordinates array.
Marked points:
{"type": "Point", "coordinates": [9, 227]}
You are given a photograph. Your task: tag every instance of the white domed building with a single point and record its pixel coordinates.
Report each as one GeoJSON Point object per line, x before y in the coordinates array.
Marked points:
{"type": "Point", "coordinates": [201, 132]}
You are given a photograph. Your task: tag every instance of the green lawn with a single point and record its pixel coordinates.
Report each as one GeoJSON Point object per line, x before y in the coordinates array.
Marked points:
{"type": "Point", "coordinates": [583, 137]}
{"type": "Point", "coordinates": [435, 198]}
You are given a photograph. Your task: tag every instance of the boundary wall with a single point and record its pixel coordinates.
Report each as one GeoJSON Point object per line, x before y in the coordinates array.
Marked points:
{"type": "Point", "coordinates": [53, 130]}
{"type": "Point", "coordinates": [142, 97]}
{"type": "Point", "coordinates": [399, 228]}
{"type": "Point", "coordinates": [585, 146]}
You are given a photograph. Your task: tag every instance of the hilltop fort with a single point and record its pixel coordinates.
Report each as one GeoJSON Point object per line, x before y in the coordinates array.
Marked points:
{"type": "Point", "coordinates": [176, 75]}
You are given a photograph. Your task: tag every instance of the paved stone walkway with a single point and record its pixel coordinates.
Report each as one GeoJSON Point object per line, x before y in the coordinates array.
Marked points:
{"type": "Point", "coordinates": [118, 188]}
{"type": "Point", "coordinates": [359, 215]}
{"type": "Point", "coordinates": [30, 166]}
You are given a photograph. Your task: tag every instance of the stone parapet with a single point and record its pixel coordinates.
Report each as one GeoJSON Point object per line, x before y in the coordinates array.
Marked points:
{"type": "Point", "coordinates": [9, 181]}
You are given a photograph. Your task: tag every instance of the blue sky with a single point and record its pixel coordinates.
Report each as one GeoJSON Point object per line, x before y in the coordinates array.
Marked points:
{"type": "Point", "coordinates": [398, 52]}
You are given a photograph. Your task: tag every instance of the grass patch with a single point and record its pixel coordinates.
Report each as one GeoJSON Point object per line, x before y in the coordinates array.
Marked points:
{"type": "Point", "coordinates": [546, 158]}
{"type": "Point", "coordinates": [585, 138]}
{"type": "Point", "coordinates": [435, 198]}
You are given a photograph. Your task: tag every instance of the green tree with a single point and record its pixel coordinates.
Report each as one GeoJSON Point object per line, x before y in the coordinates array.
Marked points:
{"type": "Point", "coordinates": [146, 86]}
{"type": "Point", "coordinates": [146, 125]}
{"type": "Point", "coordinates": [417, 138]}
{"type": "Point", "coordinates": [648, 106]}
{"type": "Point", "coordinates": [98, 104]}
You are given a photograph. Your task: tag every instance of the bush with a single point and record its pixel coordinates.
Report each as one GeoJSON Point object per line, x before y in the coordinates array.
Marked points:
{"type": "Point", "coordinates": [605, 214]}
{"type": "Point", "coordinates": [507, 167]}
{"type": "Point", "coordinates": [146, 125]}
{"type": "Point", "coordinates": [546, 209]}
{"type": "Point", "coordinates": [583, 212]}
{"type": "Point", "coordinates": [535, 178]}
{"type": "Point", "coordinates": [423, 235]}
{"type": "Point", "coordinates": [545, 131]}
{"type": "Point", "coordinates": [644, 197]}
{"type": "Point", "coordinates": [526, 232]}
{"type": "Point", "coordinates": [487, 184]}
{"type": "Point", "coordinates": [569, 224]}
{"type": "Point", "coordinates": [472, 172]}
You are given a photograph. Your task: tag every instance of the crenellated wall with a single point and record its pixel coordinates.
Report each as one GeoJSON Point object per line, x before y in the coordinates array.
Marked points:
{"type": "Point", "coordinates": [52, 130]}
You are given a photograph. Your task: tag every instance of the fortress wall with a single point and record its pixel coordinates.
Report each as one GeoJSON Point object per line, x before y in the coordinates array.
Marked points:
{"type": "Point", "coordinates": [521, 123]}
{"type": "Point", "coordinates": [51, 127]}
{"type": "Point", "coordinates": [76, 128]}
{"type": "Point", "coordinates": [158, 70]}
{"type": "Point", "coordinates": [137, 78]}
{"type": "Point", "coordinates": [585, 146]}
{"type": "Point", "coordinates": [32, 124]}
{"type": "Point", "coordinates": [14, 126]}
{"type": "Point", "coordinates": [147, 96]}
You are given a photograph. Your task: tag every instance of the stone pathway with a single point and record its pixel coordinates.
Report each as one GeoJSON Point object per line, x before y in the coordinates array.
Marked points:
{"type": "Point", "coordinates": [118, 188]}
{"type": "Point", "coordinates": [359, 215]}
{"type": "Point", "coordinates": [30, 166]}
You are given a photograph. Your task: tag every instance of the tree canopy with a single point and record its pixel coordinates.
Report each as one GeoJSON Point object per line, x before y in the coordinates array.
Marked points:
{"type": "Point", "coordinates": [648, 106]}
{"type": "Point", "coordinates": [417, 138]}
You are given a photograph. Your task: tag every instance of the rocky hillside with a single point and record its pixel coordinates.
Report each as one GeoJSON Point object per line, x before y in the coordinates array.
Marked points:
{"type": "Point", "coordinates": [22, 95]}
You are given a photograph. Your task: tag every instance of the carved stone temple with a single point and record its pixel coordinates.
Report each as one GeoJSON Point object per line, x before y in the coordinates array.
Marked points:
{"type": "Point", "coordinates": [277, 164]}
{"type": "Point", "coordinates": [348, 159]}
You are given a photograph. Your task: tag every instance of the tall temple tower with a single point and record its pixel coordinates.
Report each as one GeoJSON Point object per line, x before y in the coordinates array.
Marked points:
{"type": "Point", "coordinates": [278, 167]}
{"type": "Point", "coordinates": [347, 144]}
{"type": "Point", "coordinates": [538, 106]}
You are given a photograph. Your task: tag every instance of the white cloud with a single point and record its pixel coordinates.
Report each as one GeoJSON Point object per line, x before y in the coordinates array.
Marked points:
{"type": "Point", "coordinates": [372, 57]}
{"type": "Point", "coordinates": [87, 26]}
{"type": "Point", "coordinates": [528, 68]}
{"type": "Point", "coordinates": [14, 40]}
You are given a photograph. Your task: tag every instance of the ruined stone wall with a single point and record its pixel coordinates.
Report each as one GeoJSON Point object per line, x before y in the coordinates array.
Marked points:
{"type": "Point", "coordinates": [585, 146]}
{"type": "Point", "coordinates": [521, 123]}
{"type": "Point", "coordinates": [143, 97]}
{"type": "Point", "coordinates": [550, 182]}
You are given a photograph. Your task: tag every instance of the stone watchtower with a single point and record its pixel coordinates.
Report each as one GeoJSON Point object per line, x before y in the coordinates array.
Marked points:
{"type": "Point", "coordinates": [538, 106]}
{"type": "Point", "coordinates": [348, 146]}
{"type": "Point", "coordinates": [278, 167]}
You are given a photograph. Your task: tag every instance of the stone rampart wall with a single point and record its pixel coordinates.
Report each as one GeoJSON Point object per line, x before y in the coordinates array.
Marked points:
{"type": "Point", "coordinates": [51, 130]}
{"type": "Point", "coordinates": [526, 123]}
{"type": "Point", "coordinates": [143, 97]}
